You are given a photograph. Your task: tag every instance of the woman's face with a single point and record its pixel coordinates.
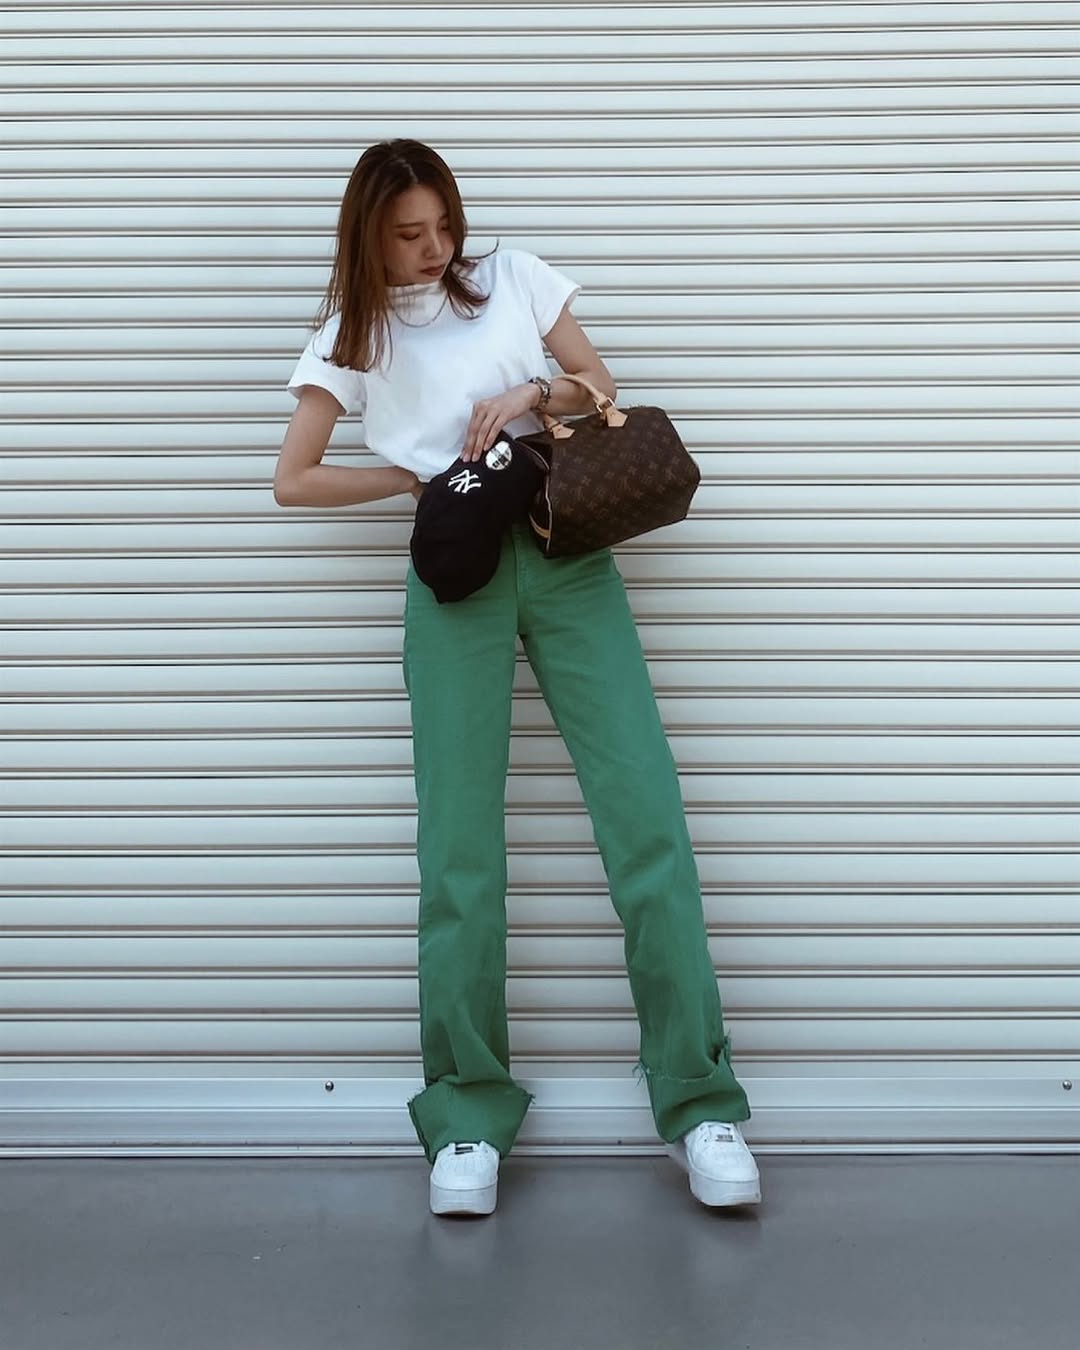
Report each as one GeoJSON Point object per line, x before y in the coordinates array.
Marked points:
{"type": "Point", "coordinates": [417, 237]}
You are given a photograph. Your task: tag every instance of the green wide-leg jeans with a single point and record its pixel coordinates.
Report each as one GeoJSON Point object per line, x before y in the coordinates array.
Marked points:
{"type": "Point", "coordinates": [581, 640]}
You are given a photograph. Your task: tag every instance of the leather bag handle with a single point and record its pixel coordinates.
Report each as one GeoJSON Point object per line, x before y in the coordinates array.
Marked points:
{"type": "Point", "coordinates": [611, 415]}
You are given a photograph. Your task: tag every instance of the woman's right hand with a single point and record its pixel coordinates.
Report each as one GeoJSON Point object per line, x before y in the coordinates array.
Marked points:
{"type": "Point", "coordinates": [417, 488]}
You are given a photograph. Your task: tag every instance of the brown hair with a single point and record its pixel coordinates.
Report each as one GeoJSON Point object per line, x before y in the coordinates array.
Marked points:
{"type": "Point", "coordinates": [357, 287]}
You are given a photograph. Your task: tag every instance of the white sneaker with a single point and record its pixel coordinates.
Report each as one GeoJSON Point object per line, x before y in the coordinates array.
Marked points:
{"type": "Point", "coordinates": [722, 1169]}
{"type": "Point", "coordinates": [465, 1179]}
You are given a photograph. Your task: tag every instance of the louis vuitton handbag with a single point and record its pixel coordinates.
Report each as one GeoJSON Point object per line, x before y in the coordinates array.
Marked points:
{"type": "Point", "coordinates": [610, 476]}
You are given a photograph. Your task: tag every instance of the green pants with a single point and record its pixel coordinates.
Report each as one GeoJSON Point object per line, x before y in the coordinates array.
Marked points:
{"type": "Point", "coordinates": [581, 641]}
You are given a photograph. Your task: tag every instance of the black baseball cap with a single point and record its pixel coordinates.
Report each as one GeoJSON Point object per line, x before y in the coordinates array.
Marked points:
{"type": "Point", "coordinates": [464, 511]}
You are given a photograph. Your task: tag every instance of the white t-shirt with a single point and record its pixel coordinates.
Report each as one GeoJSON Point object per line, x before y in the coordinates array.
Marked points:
{"type": "Point", "coordinates": [417, 404]}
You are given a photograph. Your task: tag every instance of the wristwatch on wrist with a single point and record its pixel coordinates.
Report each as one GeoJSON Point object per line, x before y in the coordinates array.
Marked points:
{"type": "Point", "coordinates": [545, 391]}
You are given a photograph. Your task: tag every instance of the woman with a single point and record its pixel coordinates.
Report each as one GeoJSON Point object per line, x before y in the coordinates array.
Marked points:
{"type": "Point", "coordinates": [439, 352]}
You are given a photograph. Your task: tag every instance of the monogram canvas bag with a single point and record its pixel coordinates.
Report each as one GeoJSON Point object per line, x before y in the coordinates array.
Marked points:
{"type": "Point", "coordinates": [611, 475]}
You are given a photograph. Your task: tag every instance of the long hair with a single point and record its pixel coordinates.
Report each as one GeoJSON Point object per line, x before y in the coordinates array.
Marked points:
{"type": "Point", "coordinates": [357, 288]}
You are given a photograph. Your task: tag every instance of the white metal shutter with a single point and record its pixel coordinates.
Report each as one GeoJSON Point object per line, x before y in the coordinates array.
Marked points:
{"type": "Point", "coordinates": [838, 243]}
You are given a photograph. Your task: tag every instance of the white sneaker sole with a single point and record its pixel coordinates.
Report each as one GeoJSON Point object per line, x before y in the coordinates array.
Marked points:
{"type": "Point", "coordinates": [446, 1200]}
{"type": "Point", "coordinates": [712, 1192]}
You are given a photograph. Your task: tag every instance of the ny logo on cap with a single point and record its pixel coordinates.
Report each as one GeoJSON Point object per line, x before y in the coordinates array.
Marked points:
{"type": "Point", "coordinates": [465, 481]}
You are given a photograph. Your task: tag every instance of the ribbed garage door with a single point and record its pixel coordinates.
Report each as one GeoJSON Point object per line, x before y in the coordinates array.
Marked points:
{"type": "Point", "coordinates": [838, 244]}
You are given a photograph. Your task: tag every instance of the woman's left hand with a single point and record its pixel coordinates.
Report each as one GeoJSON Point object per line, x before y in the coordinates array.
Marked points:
{"type": "Point", "coordinates": [490, 415]}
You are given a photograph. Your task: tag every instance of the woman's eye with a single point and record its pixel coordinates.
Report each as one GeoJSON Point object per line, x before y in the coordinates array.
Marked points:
{"type": "Point", "coordinates": [412, 238]}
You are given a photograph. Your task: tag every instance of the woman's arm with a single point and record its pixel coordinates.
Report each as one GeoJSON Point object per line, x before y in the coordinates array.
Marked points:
{"type": "Point", "coordinates": [300, 478]}
{"type": "Point", "coordinates": [568, 343]}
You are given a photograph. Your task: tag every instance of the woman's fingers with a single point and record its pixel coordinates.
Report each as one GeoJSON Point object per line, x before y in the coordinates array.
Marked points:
{"type": "Point", "coordinates": [488, 439]}
{"type": "Point", "coordinates": [481, 434]}
{"type": "Point", "coordinates": [476, 438]}
{"type": "Point", "coordinates": [490, 415]}
{"type": "Point", "coordinates": [470, 435]}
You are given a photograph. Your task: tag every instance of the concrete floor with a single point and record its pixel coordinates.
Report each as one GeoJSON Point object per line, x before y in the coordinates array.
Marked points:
{"type": "Point", "coordinates": [582, 1254]}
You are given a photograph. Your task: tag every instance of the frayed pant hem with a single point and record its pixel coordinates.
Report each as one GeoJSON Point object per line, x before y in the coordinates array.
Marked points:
{"type": "Point", "coordinates": [445, 1113]}
{"type": "Point", "coordinates": [679, 1104]}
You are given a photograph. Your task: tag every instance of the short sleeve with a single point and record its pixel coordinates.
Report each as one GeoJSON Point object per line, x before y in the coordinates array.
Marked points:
{"type": "Point", "coordinates": [547, 288]}
{"type": "Point", "coordinates": [313, 367]}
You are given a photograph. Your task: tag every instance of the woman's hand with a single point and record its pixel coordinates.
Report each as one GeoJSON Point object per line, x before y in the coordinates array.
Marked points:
{"type": "Point", "coordinates": [416, 487]}
{"type": "Point", "coordinates": [490, 415]}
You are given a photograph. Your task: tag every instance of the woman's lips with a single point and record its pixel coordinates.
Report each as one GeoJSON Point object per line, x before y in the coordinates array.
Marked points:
{"type": "Point", "coordinates": [434, 271]}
